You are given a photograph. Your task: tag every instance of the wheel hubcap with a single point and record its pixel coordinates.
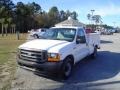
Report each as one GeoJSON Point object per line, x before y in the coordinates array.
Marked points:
{"type": "Point", "coordinates": [67, 69]}
{"type": "Point", "coordinates": [35, 36]}
{"type": "Point", "coordinates": [95, 52]}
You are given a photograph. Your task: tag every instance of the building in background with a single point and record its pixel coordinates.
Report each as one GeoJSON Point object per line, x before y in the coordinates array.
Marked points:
{"type": "Point", "coordinates": [71, 22]}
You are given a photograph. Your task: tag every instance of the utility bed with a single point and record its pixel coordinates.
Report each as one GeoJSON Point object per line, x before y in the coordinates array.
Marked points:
{"type": "Point", "coordinates": [93, 39]}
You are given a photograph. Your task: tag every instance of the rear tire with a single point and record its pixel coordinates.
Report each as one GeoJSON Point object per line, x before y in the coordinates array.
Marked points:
{"type": "Point", "coordinates": [94, 54]}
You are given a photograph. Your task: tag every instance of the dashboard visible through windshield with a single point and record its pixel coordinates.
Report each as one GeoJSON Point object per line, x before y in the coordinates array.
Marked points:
{"type": "Point", "coordinates": [66, 34]}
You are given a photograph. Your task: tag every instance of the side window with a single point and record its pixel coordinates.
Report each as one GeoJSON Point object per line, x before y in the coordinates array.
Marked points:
{"type": "Point", "coordinates": [42, 30]}
{"type": "Point", "coordinates": [81, 36]}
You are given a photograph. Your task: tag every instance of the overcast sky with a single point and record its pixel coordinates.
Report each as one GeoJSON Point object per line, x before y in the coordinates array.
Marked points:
{"type": "Point", "coordinates": [108, 9]}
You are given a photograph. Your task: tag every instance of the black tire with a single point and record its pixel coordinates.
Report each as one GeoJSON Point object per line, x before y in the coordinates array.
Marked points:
{"type": "Point", "coordinates": [35, 36]}
{"type": "Point", "coordinates": [94, 54]}
{"type": "Point", "coordinates": [67, 68]}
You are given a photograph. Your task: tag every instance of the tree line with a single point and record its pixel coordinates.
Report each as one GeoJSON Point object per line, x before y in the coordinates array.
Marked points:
{"type": "Point", "coordinates": [95, 22]}
{"type": "Point", "coordinates": [23, 17]}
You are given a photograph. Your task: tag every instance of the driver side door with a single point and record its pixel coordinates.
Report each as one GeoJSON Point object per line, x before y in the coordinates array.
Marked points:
{"type": "Point", "coordinates": [82, 49]}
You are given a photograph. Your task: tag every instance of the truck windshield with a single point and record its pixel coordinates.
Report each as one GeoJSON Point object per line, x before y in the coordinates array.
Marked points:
{"type": "Point", "coordinates": [66, 34]}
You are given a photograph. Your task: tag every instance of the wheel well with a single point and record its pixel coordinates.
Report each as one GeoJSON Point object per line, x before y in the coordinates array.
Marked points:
{"type": "Point", "coordinates": [71, 56]}
{"type": "Point", "coordinates": [96, 46]}
{"type": "Point", "coordinates": [35, 34]}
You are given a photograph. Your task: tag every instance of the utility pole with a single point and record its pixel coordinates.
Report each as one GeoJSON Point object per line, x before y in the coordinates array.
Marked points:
{"type": "Point", "coordinates": [92, 11]}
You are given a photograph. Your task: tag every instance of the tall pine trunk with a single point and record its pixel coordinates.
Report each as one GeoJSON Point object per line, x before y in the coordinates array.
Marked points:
{"type": "Point", "coordinates": [2, 30]}
{"type": "Point", "coordinates": [6, 31]}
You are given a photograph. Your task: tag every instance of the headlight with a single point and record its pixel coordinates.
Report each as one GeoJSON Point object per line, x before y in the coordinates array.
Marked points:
{"type": "Point", "coordinates": [53, 57]}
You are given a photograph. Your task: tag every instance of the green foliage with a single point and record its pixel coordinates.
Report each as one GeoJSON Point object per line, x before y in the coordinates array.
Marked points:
{"type": "Point", "coordinates": [2, 20]}
{"type": "Point", "coordinates": [74, 15]}
{"type": "Point", "coordinates": [6, 8]}
{"type": "Point", "coordinates": [97, 19]}
{"type": "Point", "coordinates": [53, 15]}
{"type": "Point", "coordinates": [88, 16]}
{"type": "Point", "coordinates": [31, 15]}
{"type": "Point", "coordinates": [107, 26]}
{"type": "Point", "coordinates": [94, 26]}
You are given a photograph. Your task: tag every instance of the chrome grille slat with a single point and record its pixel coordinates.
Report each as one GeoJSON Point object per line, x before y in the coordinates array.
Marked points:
{"type": "Point", "coordinates": [37, 53]}
{"type": "Point", "coordinates": [30, 56]}
{"type": "Point", "coordinates": [37, 56]}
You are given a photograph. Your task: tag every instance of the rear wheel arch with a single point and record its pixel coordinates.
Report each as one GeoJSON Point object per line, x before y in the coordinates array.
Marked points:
{"type": "Point", "coordinates": [96, 46]}
{"type": "Point", "coordinates": [94, 54]}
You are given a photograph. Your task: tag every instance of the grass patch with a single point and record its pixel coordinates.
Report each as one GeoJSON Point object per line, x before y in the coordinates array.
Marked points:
{"type": "Point", "coordinates": [8, 45]}
{"type": "Point", "coordinates": [8, 49]}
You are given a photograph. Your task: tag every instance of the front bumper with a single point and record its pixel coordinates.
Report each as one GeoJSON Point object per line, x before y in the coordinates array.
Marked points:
{"type": "Point", "coordinates": [46, 66]}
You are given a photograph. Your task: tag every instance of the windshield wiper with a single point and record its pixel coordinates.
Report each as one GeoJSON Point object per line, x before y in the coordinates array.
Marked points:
{"type": "Point", "coordinates": [62, 39]}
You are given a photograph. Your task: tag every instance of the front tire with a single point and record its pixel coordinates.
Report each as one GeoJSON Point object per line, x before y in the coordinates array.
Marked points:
{"type": "Point", "coordinates": [67, 68]}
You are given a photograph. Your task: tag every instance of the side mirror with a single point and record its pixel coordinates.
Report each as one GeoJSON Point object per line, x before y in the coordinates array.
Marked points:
{"type": "Point", "coordinates": [80, 40]}
{"type": "Point", "coordinates": [77, 40]}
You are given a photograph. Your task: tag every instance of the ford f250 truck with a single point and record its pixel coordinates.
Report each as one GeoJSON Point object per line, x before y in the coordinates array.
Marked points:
{"type": "Point", "coordinates": [58, 50]}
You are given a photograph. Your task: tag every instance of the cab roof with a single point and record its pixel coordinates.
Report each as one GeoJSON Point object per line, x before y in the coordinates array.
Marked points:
{"type": "Point", "coordinates": [75, 27]}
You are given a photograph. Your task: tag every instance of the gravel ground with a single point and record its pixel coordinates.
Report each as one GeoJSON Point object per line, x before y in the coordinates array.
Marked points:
{"type": "Point", "coordinates": [99, 74]}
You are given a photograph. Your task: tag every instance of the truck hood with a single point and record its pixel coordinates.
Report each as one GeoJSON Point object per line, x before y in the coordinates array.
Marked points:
{"type": "Point", "coordinates": [43, 44]}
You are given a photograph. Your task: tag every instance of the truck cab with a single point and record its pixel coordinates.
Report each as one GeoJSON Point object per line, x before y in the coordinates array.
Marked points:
{"type": "Point", "coordinates": [57, 50]}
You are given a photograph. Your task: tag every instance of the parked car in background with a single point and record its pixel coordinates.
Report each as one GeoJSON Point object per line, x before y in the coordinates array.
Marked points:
{"type": "Point", "coordinates": [113, 30]}
{"type": "Point", "coordinates": [97, 31]}
{"type": "Point", "coordinates": [87, 30]}
{"type": "Point", "coordinates": [38, 32]}
{"type": "Point", "coordinates": [107, 32]}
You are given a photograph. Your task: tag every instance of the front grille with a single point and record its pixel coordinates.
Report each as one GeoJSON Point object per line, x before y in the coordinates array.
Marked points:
{"type": "Point", "coordinates": [30, 55]}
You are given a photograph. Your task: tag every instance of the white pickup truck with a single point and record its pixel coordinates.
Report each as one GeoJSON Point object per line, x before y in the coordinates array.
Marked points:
{"type": "Point", "coordinates": [58, 50]}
